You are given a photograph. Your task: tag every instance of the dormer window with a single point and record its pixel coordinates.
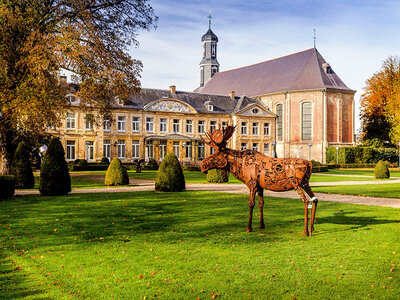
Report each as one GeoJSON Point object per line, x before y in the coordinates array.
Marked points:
{"type": "Point", "coordinates": [327, 68]}
{"type": "Point", "coordinates": [255, 110]}
{"type": "Point", "coordinates": [209, 106]}
{"type": "Point", "coordinates": [71, 98]}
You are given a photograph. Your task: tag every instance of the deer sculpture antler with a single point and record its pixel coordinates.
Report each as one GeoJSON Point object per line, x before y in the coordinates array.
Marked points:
{"type": "Point", "coordinates": [218, 138]}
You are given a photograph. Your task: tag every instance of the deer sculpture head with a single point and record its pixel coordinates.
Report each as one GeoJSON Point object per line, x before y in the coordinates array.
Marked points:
{"type": "Point", "coordinates": [217, 140]}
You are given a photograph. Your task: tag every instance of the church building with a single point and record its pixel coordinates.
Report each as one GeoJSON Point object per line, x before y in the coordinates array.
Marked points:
{"type": "Point", "coordinates": [314, 108]}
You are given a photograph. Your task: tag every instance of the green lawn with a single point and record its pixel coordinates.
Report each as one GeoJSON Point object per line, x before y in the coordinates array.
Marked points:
{"type": "Point", "coordinates": [373, 190]}
{"type": "Point", "coordinates": [192, 245]}
{"type": "Point", "coordinates": [367, 172]}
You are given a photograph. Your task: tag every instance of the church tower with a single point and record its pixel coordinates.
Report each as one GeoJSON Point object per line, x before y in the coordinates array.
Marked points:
{"type": "Point", "coordinates": [209, 64]}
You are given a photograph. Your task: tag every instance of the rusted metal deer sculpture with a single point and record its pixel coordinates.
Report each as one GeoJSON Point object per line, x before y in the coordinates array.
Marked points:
{"type": "Point", "coordinates": [261, 172]}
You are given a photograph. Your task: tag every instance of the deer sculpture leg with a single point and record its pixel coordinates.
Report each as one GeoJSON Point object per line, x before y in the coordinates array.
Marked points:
{"type": "Point", "coordinates": [253, 189]}
{"type": "Point", "coordinates": [261, 205]}
{"type": "Point", "coordinates": [314, 199]}
{"type": "Point", "coordinates": [305, 201]}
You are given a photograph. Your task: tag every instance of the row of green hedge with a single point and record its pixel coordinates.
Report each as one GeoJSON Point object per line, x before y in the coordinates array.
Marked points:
{"type": "Point", "coordinates": [361, 155]}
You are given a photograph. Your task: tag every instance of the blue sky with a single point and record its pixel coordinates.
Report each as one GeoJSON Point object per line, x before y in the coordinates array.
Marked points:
{"type": "Point", "coordinates": [353, 36]}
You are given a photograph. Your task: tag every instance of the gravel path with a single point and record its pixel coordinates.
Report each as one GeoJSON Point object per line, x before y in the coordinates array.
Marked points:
{"type": "Point", "coordinates": [242, 189]}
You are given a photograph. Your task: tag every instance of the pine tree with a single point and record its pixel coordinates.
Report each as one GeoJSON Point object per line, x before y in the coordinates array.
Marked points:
{"type": "Point", "coordinates": [54, 175]}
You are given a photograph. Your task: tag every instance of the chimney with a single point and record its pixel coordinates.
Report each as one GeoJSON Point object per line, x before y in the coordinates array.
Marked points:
{"type": "Point", "coordinates": [172, 89]}
{"type": "Point", "coordinates": [232, 94]}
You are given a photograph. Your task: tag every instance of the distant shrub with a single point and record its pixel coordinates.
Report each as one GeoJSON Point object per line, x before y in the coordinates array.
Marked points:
{"type": "Point", "coordinates": [54, 175]}
{"type": "Point", "coordinates": [218, 175]}
{"type": "Point", "coordinates": [104, 160]}
{"type": "Point", "coordinates": [170, 177]}
{"type": "Point", "coordinates": [7, 187]}
{"type": "Point", "coordinates": [315, 163]}
{"type": "Point", "coordinates": [381, 170]}
{"type": "Point", "coordinates": [116, 174]}
{"type": "Point", "coordinates": [21, 168]}
{"type": "Point", "coordinates": [151, 165]}
{"type": "Point", "coordinates": [191, 168]}
{"type": "Point", "coordinates": [80, 162]}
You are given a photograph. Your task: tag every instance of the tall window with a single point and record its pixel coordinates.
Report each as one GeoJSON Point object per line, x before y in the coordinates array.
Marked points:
{"type": "Point", "coordinates": [243, 128]}
{"type": "Point", "coordinates": [175, 148]}
{"type": "Point", "coordinates": [70, 121]}
{"type": "Point", "coordinates": [266, 149]}
{"type": "Point", "coordinates": [255, 128]}
{"type": "Point", "coordinates": [255, 146]}
{"type": "Point", "coordinates": [70, 150]}
{"type": "Point", "coordinates": [89, 122]}
{"type": "Point", "coordinates": [189, 126]}
{"type": "Point", "coordinates": [163, 149]}
{"type": "Point", "coordinates": [89, 150]}
{"type": "Point", "coordinates": [107, 149]}
{"type": "Point", "coordinates": [306, 121]}
{"type": "Point", "coordinates": [213, 125]}
{"type": "Point", "coordinates": [121, 148]}
{"type": "Point", "coordinates": [279, 122]}
{"type": "Point", "coordinates": [243, 146]}
{"type": "Point", "coordinates": [121, 124]}
{"type": "Point", "coordinates": [175, 126]}
{"type": "Point", "coordinates": [107, 125]}
{"type": "Point", "coordinates": [201, 152]}
{"type": "Point", "coordinates": [149, 149]}
{"type": "Point", "coordinates": [201, 126]}
{"type": "Point", "coordinates": [163, 125]}
{"type": "Point", "coordinates": [135, 124]}
{"type": "Point", "coordinates": [149, 124]}
{"type": "Point", "coordinates": [266, 129]}
{"type": "Point", "coordinates": [224, 125]}
{"type": "Point", "coordinates": [189, 150]}
{"type": "Point", "coordinates": [135, 149]}
{"type": "Point", "coordinates": [212, 50]}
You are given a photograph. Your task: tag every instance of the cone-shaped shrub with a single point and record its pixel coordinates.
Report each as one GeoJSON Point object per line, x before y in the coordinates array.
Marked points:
{"type": "Point", "coordinates": [217, 176]}
{"type": "Point", "coordinates": [116, 174]}
{"type": "Point", "coordinates": [381, 170]}
{"type": "Point", "coordinates": [54, 175]}
{"type": "Point", "coordinates": [21, 168]}
{"type": "Point", "coordinates": [169, 176]}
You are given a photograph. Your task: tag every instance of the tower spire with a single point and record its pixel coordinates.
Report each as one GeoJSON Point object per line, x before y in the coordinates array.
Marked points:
{"type": "Point", "coordinates": [315, 39]}
{"type": "Point", "coordinates": [209, 19]}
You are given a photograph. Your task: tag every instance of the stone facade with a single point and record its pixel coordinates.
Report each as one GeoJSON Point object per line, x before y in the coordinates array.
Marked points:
{"type": "Point", "coordinates": [165, 124]}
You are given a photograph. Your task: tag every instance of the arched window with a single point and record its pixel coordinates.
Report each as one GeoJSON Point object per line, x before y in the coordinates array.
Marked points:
{"type": "Point", "coordinates": [306, 121]}
{"type": "Point", "coordinates": [279, 122]}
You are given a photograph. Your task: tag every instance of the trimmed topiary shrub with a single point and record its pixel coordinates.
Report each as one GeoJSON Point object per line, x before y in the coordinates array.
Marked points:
{"type": "Point", "coordinates": [151, 165]}
{"type": "Point", "coordinates": [54, 175]}
{"type": "Point", "coordinates": [116, 173]}
{"type": "Point", "coordinates": [80, 162]}
{"type": "Point", "coordinates": [381, 170]}
{"type": "Point", "coordinates": [104, 160]}
{"type": "Point", "coordinates": [218, 175]}
{"type": "Point", "coordinates": [21, 168]}
{"type": "Point", "coordinates": [170, 177]}
{"type": "Point", "coordinates": [7, 187]}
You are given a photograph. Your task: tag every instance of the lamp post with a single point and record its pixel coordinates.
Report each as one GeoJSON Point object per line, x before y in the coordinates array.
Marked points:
{"type": "Point", "coordinates": [273, 150]}
{"type": "Point", "coordinates": [309, 151]}
{"type": "Point", "coordinates": [337, 155]}
{"type": "Point", "coordinates": [298, 151]}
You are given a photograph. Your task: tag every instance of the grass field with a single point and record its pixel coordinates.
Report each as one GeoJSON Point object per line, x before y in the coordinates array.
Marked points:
{"type": "Point", "coordinates": [372, 190]}
{"type": "Point", "coordinates": [192, 245]}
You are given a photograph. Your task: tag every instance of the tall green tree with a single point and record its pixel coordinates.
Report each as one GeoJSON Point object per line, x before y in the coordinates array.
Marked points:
{"type": "Point", "coordinates": [21, 167]}
{"type": "Point", "coordinates": [380, 102]}
{"type": "Point", "coordinates": [40, 39]}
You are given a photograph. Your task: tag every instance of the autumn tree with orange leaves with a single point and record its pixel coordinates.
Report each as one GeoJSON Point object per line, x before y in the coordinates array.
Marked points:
{"type": "Point", "coordinates": [40, 39]}
{"type": "Point", "coordinates": [380, 104]}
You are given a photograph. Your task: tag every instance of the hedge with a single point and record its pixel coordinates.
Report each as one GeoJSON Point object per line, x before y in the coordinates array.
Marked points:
{"type": "Point", "coordinates": [317, 169]}
{"type": "Point", "coordinates": [7, 187]}
{"type": "Point", "coordinates": [361, 155]}
{"type": "Point", "coordinates": [89, 167]}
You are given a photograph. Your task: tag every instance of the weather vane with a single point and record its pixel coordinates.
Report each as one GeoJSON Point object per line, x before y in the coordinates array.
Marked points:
{"type": "Point", "coordinates": [315, 39]}
{"type": "Point", "coordinates": [209, 19]}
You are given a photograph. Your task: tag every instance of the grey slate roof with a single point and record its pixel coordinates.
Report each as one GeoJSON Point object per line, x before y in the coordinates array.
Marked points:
{"type": "Point", "coordinates": [222, 104]}
{"type": "Point", "coordinates": [299, 71]}
{"type": "Point", "coordinates": [209, 36]}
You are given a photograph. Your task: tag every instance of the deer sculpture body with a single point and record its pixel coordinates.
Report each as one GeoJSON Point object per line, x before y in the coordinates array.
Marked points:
{"type": "Point", "coordinates": [261, 172]}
